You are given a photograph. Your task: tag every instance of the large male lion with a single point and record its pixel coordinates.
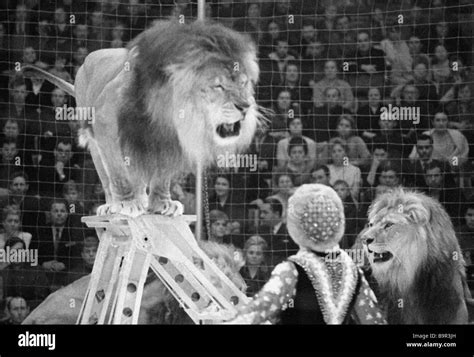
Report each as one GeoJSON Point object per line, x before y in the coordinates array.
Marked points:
{"type": "Point", "coordinates": [177, 96]}
{"type": "Point", "coordinates": [415, 259]}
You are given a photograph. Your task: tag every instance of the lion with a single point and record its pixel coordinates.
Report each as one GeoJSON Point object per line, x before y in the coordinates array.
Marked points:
{"type": "Point", "coordinates": [158, 306]}
{"type": "Point", "coordinates": [415, 259]}
{"type": "Point", "coordinates": [178, 96]}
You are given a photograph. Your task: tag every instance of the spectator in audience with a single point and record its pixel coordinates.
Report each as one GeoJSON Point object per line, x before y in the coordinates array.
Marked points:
{"type": "Point", "coordinates": [224, 198]}
{"type": "Point", "coordinates": [12, 227]}
{"type": "Point", "coordinates": [321, 174]}
{"type": "Point", "coordinates": [39, 91]}
{"type": "Point", "coordinates": [441, 70]}
{"type": "Point", "coordinates": [59, 68]}
{"type": "Point", "coordinates": [11, 162]}
{"type": "Point", "coordinates": [73, 198]}
{"type": "Point", "coordinates": [415, 46]}
{"type": "Point", "coordinates": [410, 99]}
{"type": "Point", "coordinates": [17, 108]}
{"type": "Point", "coordinates": [309, 35]}
{"type": "Point", "coordinates": [299, 92]}
{"type": "Point", "coordinates": [350, 212]}
{"type": "Point", "coordinates": [283, 109]}
{"type": "Point", "coordinates": [180, 191]}
{"type": "Point", "coordinates": [367, 63]}
{"type": "Point", "coordinates": [78, 58]}
{"type": "Point", "coordinates": [11, 133]}
{"type": "Point", "coordinates": [322, 121]}
{"type": "Point", "coordinates": [451, 198]}
{"type": "Point", "coordinates": [465, 234]}
{"type": "Point", "coordinates": [426, 88]}
{"type": "Point", "coordinates": [327, 25]}
{"type": "Point", "coordinates": [98, 31]}
{"type": "Point", "coordinates": [379, 155]}
{"type": "Point", "coordinates": [284, 187]}
{"type": "Point", "coordinates": [136, 20]}
{"type": "Point", "coordinates": [345, 40]}
{"type": "Point", "coordinates": [218, 220]}
{"type": "Point", "coordinates": [281, 246]}
{"type": "Point", "coordinates": [17, 309]}
{"type": "Point", "coordinates": [449, 145]}
{"type": "Point", "coordinates": [31, 208]}
{"type": "Point", "coordinates": [397, 56]}
{"type": "Point", "coordinates": [295, 128]}
{"type": "Point", "coordinates": [358, 153]}
{"type": "Point", "coordinates": [312, 66]}
{"type": "Point", "coordinates": [58, 243]}
{"type": "Point", "coordinates": [52, 176]}
{"type": "Point", "coordinates": [118, 33]}
{"type": "Point", "coordinates": [416, 167]}
{"type": "Point", "coordinates": [281, 57]}
{"type": "Point", "coordinates": [47, 130]}
{"type": "Point", "coordinates": [89, 249]}
{"type": "Point", "coordinates": [389, 174]}
{"type": "Point", "coordinates": [341, 168]}
{"type": "Point", "coordinates": [332, 81]}
{"type": "Point", "coordinates": [20, 28]}
{"type": "Point", "coordinates": [269, 39]}
{"type": "Point", "coordinates": [299, 165]}
{"type": "Point", "coordinates": [29, 56]}
{"type": "Point", "coordinates": [265, 146]}
{"type": "Point", "coordinates": [255, 272]}
{"type": "Point", "coordinates": [368, 116]}
{"type": "Point", "coordinates": [24, 279]}
{"type": "Point", "coordinates": [252, 23]}
{"type": "Point", "coordinates": [377, 25]}
{"type": "Point", "coordinates": [418, 25]}
{"type": "Point", "coordinates": [440, 36]}
{"type": "Point", "coordinates": [462, 108]}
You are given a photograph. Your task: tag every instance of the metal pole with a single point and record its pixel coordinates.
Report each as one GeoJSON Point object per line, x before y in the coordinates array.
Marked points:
{"type": "Point", "coordinates": [199, 171]}
{"type": "Point", "coordinates": [201, 9]}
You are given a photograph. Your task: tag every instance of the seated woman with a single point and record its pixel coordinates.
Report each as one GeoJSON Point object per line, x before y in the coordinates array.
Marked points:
{"type": "Point", "coordinates": [358, 153]}
{"type": "Point", "coordinates": [310, 280]}
{"type": "Point", "coordinates": [12, 225]}
{"type": "Point", "coordinates": [341, 168]}
{"type": "Point", "coordinates": [298, 166]}
{"type": "Point", "coordinates": [255, 271]}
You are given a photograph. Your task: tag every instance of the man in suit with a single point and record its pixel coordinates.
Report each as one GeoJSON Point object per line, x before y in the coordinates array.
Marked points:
{"type": "Point", "coordinates": [416, 168]}
{"type": "Point", "coordinates": [58, 244]}
{"type": "Point", "coordinates": [275, 232]}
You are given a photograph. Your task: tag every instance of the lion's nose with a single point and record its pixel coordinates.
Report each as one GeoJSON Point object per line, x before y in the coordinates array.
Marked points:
{"type": "Point", "coordinates": [242, 107]}
{"type": "Point", "coordinates": [368, 241]}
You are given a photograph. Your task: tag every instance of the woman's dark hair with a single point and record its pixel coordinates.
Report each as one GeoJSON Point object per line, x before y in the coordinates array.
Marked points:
{"type": "Point", "coordinates": [298, 141]}
{"type": "Point", "coordinates": [15, 240]}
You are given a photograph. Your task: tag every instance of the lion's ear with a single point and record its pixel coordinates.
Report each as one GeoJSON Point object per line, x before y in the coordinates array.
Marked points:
{"type": "Point", "coordinates": [419, 215]}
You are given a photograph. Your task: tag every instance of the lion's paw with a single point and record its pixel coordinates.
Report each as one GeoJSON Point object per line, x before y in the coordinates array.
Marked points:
{"type": "Point", "coordinates": [167, 208]}
{"type": "Point", "coordinates": [132, 208]}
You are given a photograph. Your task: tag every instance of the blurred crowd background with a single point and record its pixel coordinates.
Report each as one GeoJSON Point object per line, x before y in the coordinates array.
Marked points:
{"type": "Point", "coordinates": [328, 68]}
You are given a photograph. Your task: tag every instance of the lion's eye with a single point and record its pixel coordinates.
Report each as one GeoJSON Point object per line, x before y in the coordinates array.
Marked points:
{"type": "Point", "coordinates": [388, 225]}
{"type": "Point", "coordinates": [219, 87]}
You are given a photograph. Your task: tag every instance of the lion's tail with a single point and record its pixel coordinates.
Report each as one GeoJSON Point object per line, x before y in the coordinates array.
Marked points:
{"type": "Point", "coordinates": [61, 83]}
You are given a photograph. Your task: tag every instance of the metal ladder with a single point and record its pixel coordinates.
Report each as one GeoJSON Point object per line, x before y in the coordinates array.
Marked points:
{"type": "Point", "coordinates": [129, 247]}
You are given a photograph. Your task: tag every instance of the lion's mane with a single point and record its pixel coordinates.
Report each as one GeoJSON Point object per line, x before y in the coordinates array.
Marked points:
{"type": "Point", "coordinates": [423, 283]}
{"type": "Point", "coordinates": [163, 121]}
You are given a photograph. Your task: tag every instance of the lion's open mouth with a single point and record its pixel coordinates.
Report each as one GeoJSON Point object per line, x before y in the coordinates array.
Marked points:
{"type": "Point", "coordinates": [228, 130]}
{"type": "Point", "coordinates": [382, 257]}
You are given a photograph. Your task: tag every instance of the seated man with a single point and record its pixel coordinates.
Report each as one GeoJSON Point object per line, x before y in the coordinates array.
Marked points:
{"type": "Point", "coordinates": [53, 175]}
{"type": "Point", "coordinates": [451, 198]}
{"type": "Point", "coordinates": [88, 253]}
{"type": "Point", "coordinates": [58, 244]}
{"type": "Point", "coordinates": [17, 310]}
{"type": "Point", "coordinates": [274, 231]}
{"type": "Point", "coordinates": [465, 234]}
